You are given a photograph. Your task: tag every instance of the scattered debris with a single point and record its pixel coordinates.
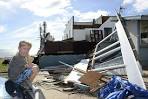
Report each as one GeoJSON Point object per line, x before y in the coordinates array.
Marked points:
{"type": "Point", "coordinates": [80, 79]}
{"type": "Point", "coordinates": [92, 79]}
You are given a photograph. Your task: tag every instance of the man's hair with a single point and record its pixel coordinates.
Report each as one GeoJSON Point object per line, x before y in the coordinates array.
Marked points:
{"type": "Point", "coordinates": [23, 43]}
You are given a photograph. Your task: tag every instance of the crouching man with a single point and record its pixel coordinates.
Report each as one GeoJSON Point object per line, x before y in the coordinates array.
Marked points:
{"type": "Point", "coordinates": [21, 64]}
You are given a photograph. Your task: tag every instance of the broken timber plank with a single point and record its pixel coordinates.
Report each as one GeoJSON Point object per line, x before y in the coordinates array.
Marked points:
{"type": "Point", "coordinates": [93, 79]}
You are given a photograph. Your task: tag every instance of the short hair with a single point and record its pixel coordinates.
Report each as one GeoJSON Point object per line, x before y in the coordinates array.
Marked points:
{"type": "Point", "coordinates": [23, 43]}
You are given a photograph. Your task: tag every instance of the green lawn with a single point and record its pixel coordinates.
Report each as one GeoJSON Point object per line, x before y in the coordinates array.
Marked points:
{"type": "Point", "coordinates": [3, 67]}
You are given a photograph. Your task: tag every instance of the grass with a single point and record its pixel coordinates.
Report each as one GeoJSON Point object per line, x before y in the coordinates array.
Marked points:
{"type": "Point", "coordinates": [3, 67]}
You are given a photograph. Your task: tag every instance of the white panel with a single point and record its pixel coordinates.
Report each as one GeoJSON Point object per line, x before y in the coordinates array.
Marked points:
{"type": "Point", "coordinates": [82, 65]}
{"type": "Point", "coordinates": [69, 29]}
{"type": "Point", "coordinates": [108, 24]}
{"type": "Point", "coordinates": [133, 72]}
{"type": "Point", "coordinates": [80, 34]}
{"type": "Point", "coordinates": [75, 75]}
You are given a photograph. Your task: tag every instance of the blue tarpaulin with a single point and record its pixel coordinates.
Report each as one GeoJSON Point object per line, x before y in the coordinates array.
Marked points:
{"type": "Point", "coordinates": [14, 88]}
{"type": "Point", "coordinates": [24, 76]}
{"type": "Point", "coordinates": [117, 88]}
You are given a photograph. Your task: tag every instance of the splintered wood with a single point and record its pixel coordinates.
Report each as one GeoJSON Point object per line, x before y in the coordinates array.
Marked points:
{"type": "Point", "coordinates": [93, 79]}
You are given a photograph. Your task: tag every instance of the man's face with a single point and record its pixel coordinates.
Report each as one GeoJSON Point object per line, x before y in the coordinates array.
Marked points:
{"type": "Point", "coordinates": [24, 50]}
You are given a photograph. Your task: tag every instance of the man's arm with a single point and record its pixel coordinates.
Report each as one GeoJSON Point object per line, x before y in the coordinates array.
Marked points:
{"type": "Point", "coordinates": [16, 66]}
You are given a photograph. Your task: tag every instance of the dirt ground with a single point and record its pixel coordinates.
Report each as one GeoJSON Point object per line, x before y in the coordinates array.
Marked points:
{"type": "Point", "coordinates": [52, 91]}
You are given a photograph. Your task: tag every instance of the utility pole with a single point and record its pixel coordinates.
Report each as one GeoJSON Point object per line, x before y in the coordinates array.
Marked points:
{"type": "Point", "coordinates": [41, 39]}
{"type": "Point", "coordinates": [44, 27]}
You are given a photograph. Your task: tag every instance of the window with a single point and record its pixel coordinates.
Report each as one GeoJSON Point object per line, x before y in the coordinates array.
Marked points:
{"type": "Point", "coordinates": [144, 32]}
{"type": "Point", "coordinates": [107, 31]}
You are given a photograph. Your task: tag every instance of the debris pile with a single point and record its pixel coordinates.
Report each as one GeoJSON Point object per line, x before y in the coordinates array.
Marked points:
{"type": "Point", "coordinates": [119, 55]}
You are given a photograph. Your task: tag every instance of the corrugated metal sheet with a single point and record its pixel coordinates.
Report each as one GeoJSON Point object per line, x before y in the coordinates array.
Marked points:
{"type": "Point", "coordinates": [53, 60]}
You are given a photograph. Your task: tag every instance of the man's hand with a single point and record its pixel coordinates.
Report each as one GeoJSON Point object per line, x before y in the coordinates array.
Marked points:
{"type": "Point", "coordinates": [30, 65]}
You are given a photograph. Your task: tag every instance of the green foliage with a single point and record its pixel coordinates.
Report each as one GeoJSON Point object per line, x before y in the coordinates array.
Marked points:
{"type": "Point", "coordinates": [3, 67]}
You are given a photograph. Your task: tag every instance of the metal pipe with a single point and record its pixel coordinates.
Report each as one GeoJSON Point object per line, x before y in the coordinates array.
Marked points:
{"type": "Point", "coordinates": [110, 46]}
{"type": "Point", "coordinates": [71, 66]}
{"type": "Point", "coordinates": [107, 53]}
{"type": "Point", "coordinates": [106, 38]}
{"type": "Point", "coordinates": [109, 68]}
{"type": "Point", "coordinates": [93, 61]}
{"type": "Point", "coordinates": [74, 68]}
{"type": "Point", "coordinates": [107, 62]}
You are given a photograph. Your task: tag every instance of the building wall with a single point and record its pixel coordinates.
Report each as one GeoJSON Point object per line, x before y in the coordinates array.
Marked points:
{"type": "Point", "coordinates": [144, 49]}
{"type": "Point", "coordinates": [144, 33]}
{"type": "Point", "coordinates": [108, 24]}
{"type": "Point", "coordinates": [99, 20]}
{"type": "Point", "coordinates": [132, 27]}
{"type": "Point", "coordinates": [76, 34]}
{"type": "Point", "coordinates": [80, 34]}
{"type": "Point", "coordinates": [68, 32]}
{"type": "Point", "coordinates": [144, 57]}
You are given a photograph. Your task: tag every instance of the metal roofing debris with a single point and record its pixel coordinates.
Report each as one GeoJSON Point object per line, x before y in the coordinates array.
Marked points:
{"type": "Point", "coordinates": [132, 68]}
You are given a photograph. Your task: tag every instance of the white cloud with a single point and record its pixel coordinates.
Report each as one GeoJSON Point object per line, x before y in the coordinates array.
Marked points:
{"type": "Point", "coordinates": [43, 8]}
{"type": "Point", "coordinates": [127, 1]}
{"type": "Point", "coordinates": [4, 4]}
{"type": "Point", "coordinates": [2, 29]}
{"type": "Point", "coordinates": [46, 7]}
{"type": "Point", "coordinates": [29, 33]}
{"type": "Point", "coordinates": [141, 5]}
{"type": "Point", "coordinates": [88, 16]}
{"type": "Point", "coordinates": [26, 31]}
{"type": "Point", "coordinates": [138, 5]}
{"type": "Point", "coordinates": [56, 27]}
{"type": "Point", "coordinates": [10, 4]}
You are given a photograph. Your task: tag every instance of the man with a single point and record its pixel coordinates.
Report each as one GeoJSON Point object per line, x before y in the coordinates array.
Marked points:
{"type": "Point", "coordinates": [21, 61]}
{"type": "Point", "coordinates": [21, 73]}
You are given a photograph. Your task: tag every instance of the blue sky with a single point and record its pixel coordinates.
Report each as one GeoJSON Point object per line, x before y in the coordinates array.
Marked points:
{"type": "Point", "coordinates": [20, 19]}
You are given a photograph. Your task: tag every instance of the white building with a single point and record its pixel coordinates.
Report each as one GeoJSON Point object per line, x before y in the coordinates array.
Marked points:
{"type": "Point", "coordinates": [137, 27]}
{"type": "Point", "coordinates": [108, 25]}
{"type": "Point", "coordinates": [79, 31]}
{"type": "Point", "coordinates": [97, 29]}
